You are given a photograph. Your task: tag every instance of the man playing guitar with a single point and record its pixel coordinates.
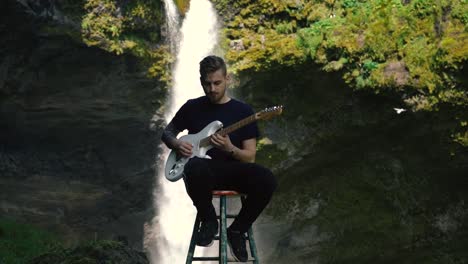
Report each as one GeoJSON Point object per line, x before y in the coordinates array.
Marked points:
{"type": "Point", "coordinates": [231, 166]}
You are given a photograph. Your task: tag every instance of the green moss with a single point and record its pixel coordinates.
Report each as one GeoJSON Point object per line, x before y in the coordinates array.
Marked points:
{"type": "Point", "coordinates": [160, 61]}
{"type": "Point", "coordinates": [93, 252]}
{"type": "Point", "coordinates": [21, 242]}
{"type": "Point", "coordinates": [462, 136]}
{"type": "Point", "coordinates": [270, 155]}
{"type": "Point", "coordinates": [429, 37]}
{"type": "Point", "coordinates": [182, 5]}
{"type": "Point", "coordinates": [416, 48]}
{"type": "Point", "coordinates": [112, 27]}
{"type": "Point", "coordinates": [130, 27]}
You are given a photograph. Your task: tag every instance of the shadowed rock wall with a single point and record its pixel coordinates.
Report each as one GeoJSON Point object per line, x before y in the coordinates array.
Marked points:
{"type": "Point", "coordinates": [358, 183]}
{"type": "Point", "coordinates": [77, 144]}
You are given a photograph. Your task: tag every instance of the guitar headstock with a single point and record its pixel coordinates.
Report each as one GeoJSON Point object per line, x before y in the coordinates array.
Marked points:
{"type": "Point", "coordinates": [269, 112]}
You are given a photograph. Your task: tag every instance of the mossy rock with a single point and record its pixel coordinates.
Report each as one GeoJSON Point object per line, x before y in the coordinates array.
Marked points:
{"type": "Point", "coordinates": [95, 252]}
{"type": "Point", "coordinates": [20, 242]}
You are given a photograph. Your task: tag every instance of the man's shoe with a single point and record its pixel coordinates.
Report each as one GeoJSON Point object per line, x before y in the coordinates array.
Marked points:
{"type": "Point", "coordinates": [236, 241]}
{"type": "Point", "coordinates": [207, 232]}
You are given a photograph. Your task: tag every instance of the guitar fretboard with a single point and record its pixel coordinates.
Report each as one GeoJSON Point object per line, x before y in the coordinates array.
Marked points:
{"type": "Point", "coordinates": [225, 131]}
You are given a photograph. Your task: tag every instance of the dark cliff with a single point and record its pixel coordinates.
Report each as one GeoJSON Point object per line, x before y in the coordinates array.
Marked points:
{"type": "Point", "coordinates": [79, 133]}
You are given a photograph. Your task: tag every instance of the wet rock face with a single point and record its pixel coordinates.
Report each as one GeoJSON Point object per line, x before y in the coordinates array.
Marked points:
{"type": "Point", "coordinates": [77, 140]}
{"type": "Point", "coordinates": [358, 182]}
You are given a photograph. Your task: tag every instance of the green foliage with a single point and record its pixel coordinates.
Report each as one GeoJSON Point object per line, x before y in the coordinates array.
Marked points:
{"type": "Point", "coordinates": [286, 27]}
{"type": "Point", "coordinates": [313, 37]}
{"type": "Point", "coordinates": [462, 136]}
{"type": "Point", "coordinates": [114, 27]}
{"type": "Point", "coordinates": [101, 245]}
{"type": "Point", "coordinates": [93, 252]}
{"type": "Point", "coordinates": [102, 26]}
{"type": "Point", "coordinates": [161, 59]}
{"type": "Point", "coordinates": [416, 48]}
{"type": "Point", "coordinates": [128, 27]}
{"type": "Point", "coordinates": [269, 155]}
{"type": "Point", "coordinates": [428, 38]}
{"type": "Point", "coordinates": [182, 5]}
{"type": "Point", "coordinates": [20, 242]}
{"type": "Point", "coordinates": [267, 39]}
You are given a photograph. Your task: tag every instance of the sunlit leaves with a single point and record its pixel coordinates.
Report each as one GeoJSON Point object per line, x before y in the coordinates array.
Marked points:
{"type": "Point", "coordinates": [128, 28]}
{"type": "Point", "coordinates": [161, 59]}
{"type": "Point", "coordinates": [381, 44]}
{"type": "Point", "coordinates": [417, 48]}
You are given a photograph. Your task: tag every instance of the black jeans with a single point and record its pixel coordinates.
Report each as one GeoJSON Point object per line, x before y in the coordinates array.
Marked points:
{"type": "Point", "coordinates": [202, 176]}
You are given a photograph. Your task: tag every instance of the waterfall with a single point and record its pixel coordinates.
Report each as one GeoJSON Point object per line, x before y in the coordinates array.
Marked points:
{"type": "Point", "coordinates": [167, 237]}
{"type": "Point", "coordinates": [172, 24]}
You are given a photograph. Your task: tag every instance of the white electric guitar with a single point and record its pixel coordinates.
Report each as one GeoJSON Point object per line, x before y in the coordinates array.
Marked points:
{"type": "Point", "coordinates": [201, 141]}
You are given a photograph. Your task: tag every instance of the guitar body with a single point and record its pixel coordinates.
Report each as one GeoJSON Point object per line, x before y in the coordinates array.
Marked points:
{"type": "Point", "coordinates": [175, 163]}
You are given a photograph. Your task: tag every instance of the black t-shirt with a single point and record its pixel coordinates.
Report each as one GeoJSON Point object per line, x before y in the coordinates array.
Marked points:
{"type": "Point", "coordinates": [197, 113]}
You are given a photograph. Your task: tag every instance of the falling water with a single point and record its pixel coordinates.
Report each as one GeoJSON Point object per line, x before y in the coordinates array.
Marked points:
{"type": "Point", "coordinates": [172, 23]}
{"type": "Point", "coordinates": [168, 237]}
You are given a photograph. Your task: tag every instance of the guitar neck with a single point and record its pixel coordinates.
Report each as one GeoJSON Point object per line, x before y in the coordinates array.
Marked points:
{"type": "Point", "coordinates": [225, 131]}
{"type": "Point", "coordinates": [237, 125]}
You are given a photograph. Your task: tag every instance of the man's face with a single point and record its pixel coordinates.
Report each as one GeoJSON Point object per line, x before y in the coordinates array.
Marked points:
{"type": "Point", "coordinates": [214, 86]}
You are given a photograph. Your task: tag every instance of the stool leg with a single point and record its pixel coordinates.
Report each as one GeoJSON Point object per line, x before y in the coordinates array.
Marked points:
{"type": "Point", "coordinates": [223, 230]}
{"type": "Point", "coordinates": [193, 241]}
{"type": "Point", "coordinates": [253, 247]}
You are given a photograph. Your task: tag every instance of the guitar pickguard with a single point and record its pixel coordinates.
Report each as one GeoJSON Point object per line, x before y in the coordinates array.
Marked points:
{"type": "Point", "coordinates": [175, 163]}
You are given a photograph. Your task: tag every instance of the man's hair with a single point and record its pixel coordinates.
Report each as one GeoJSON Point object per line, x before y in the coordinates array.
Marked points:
{"type": "Point", "coordinates": [211, 64]}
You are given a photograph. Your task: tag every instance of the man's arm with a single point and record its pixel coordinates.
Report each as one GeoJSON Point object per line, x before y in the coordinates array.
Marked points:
{"type": "Point", "coordinates": [248, 151]}
{"type": "Point", "coordinates": [245, 154]}
{"type": "Point", "coordinates": [169, 137]}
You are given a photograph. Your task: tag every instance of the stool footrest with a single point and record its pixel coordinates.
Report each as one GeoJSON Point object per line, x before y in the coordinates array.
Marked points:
{"type": "Point", "coordinates": [228, 216]}
{"type": "Point", "coordinates": [204, 258]}
{"type": "Point", "coordinates": [246, 240]}
{"type": "Point", "coordinates": [217, 258]}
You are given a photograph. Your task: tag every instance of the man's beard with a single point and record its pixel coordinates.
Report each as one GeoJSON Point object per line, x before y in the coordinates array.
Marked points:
{"type": "Point", "coordinates": [215, 97]}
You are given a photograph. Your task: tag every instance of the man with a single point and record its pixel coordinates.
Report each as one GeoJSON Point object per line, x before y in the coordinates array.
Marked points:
{"type": "Point", "coordinates": [231, 166]}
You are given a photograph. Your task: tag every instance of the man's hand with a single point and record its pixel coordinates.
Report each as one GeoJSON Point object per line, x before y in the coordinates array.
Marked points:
{"type": "Point", "coordinates": [245, 154]}
{"type": "Point", "coordinates": [184, 148]}
{"type": "Point", "coordinates": [222, 142]}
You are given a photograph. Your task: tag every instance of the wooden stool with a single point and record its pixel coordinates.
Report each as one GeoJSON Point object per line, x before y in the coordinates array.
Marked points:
{"type": "Point", "coordinates": [222, 237]}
